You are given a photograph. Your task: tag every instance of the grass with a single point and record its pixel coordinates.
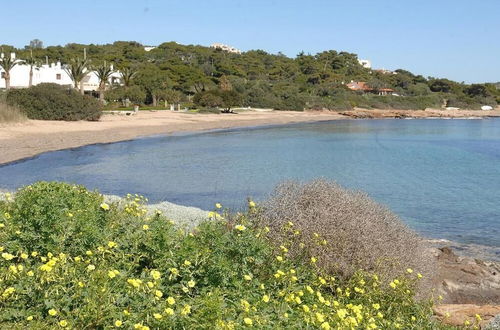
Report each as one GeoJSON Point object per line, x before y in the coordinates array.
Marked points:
{"type": "Point", "coordinates": [69, 260]}
{"type": "Point", "coordinates": [10, 114]}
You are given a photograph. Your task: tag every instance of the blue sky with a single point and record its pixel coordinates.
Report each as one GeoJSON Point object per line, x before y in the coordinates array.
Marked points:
{"type": "Point", "coordinates": [441, 38]}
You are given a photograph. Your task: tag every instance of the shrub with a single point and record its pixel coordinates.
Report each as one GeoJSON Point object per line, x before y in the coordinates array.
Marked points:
{"type": "Point", "coordinates": [54, 102]}
{"type": "Point", "coordinates": [150, 272]}
{"type": "Point", "coordinates": [57, 217]}
{"type": "Point", "coordinates": [10, 114]}
{"type": "Point", "coordinates": [346, 231]}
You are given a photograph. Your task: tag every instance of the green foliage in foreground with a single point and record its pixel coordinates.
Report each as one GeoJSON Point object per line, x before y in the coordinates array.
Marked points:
{"type": "Point", "coordinates": [132, 269]}
{"type": "Point", "coordinates": [54, 102]}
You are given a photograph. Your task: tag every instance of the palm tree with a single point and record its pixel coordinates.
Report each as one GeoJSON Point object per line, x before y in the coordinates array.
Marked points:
{"type": "Point", "coordinates": [77, 70]}
{"type": "Point", "coordinates": [7, 64]}
{"type": "Point", "coordinates": [128, 73]}
{"type": "Point", "coordinates": [34, 64]}
{"type": "Point", "coordinates": [103, 73]}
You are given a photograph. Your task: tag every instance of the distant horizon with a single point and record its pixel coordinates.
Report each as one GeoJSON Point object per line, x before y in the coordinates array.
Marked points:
{"type": "Point", "coordinates": [445, 39]}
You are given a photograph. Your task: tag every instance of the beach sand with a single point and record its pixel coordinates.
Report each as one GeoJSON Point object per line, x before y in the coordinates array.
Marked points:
{"type": "Point", "coordinates": [27, 139]}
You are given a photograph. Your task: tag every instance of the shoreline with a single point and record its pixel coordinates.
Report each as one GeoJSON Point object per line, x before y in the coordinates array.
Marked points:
{"type": "Point", "coordinates": [31, 138]}
{"type": "Point", "coordinates": [25, 140]}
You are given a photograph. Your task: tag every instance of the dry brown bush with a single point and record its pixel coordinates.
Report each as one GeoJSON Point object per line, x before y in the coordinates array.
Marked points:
{"type": "Point", "coordinates": [10, 114]}
{"type": "Point", "coordinates": [360, 234]}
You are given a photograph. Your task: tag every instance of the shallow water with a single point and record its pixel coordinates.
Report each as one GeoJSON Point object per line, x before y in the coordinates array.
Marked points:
{"type": "Point", "coordinates": [441, 176]}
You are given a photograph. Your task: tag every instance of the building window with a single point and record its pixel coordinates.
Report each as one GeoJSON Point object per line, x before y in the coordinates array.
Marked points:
{"type": "Point", "coordinates": [58, 76]}
{"type": "Point", "coordinates": [3, 75]}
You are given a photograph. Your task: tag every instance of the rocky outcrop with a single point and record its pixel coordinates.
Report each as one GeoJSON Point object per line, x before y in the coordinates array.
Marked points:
{"type": "Point", "coordinates": [459, 314]}
{"type": "Point", "coordinates": [470, 290]}
{"type": "Point", "coordinates": [463, 280]}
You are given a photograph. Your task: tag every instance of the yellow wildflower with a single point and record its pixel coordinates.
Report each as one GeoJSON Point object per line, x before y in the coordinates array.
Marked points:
{"type": "Point", "coordinates": [306, 308]}
{"type": "Point", "coordinates": [104, 206]}
{"type": "Point", "coordinates": [118, 323]}
{"type": "Point", "coordinates": [409, 270]}
{"type": "Point", "coordinates": [265, 298]}
{"type": "Point", "coordinates": [29, 318]}
{"type": "Point", "coordinates": [248, 321]}
{"type": "Point", "coordinates": [158, 293]}
{"type": "Point", "coordinates": [24, 256]}
{"type": "Point", "coordinates": [145, 227]}
{"type": "Point", "coordinates": [251, 204]}
{"type": "Point", "coordinates": [63, 323]}
{"type": "Point", "coordinates": [376, 306]}
{"type": "Point", "coordinates": [112, 244]}
{"type": "Point", "coordinates": [187, 263]}
{"type": "Point", "coordinates": [320, 317]}
{"type": "Point", "coordinates": [186, 310]}
{"type": "Point", "coordinates": [169, 311]}
{"type": "Point", "coordinates": [279, 258]}
{"type": "Point", "coordinates": [478, 317]}
{"type": "Point", "coordinates": [240, 227]}
{"type": "Point", "coordinates": [90, 268]}
{"type": "Point", "coordinates": [157, 316]}
{"type": "Point", "coordinates": [170, 300]}
{"type": "Point", "coordinates": [247, 277]}
{"type": "Point", "coordinates": [392, 285]}
{"type": "Point", "coordinates": [313, 260]}
{"type": "Point", "coordinates": [325, 326]}
{"type": "Point", "coordinates": [218, 205]}
{"type": "Point", "coordinates": [52, 312]}
{"type": "Point", "coordinates": [7, 256]}
{"type": "Point", "coordinates": [155, 274]}
{"type": "Point", "coordinates": [30, 273]}
{"type": "Point", "coordinates": [191, 284]}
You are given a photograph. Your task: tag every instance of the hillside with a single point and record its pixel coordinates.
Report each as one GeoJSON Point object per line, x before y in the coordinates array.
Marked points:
{"type": "Point", "coordinates": [175, 73]}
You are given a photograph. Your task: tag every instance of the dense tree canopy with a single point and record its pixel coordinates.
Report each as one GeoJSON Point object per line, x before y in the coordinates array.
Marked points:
{"type": "Point", "coordinates": [260, 79]}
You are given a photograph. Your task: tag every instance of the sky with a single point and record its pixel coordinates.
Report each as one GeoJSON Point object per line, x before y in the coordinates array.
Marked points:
{"type": "Point", "coordinates": [456, 39]}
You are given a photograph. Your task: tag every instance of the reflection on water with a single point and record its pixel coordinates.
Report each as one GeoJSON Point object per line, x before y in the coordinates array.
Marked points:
{"type": "Point", "coordinates": [441, 176]}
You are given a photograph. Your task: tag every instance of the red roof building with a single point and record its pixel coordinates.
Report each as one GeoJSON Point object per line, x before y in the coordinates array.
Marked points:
{"type": "Point", "coordinates": [361, 86]}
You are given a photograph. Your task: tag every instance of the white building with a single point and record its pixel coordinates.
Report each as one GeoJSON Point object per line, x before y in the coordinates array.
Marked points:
{"type": "Point", "coordinates": [225, 48]}
{"type": "Point", "coordinates": [149, 48]}
{"type": "Point", "coordinates": [365, 63]}
{"type": "Point", "coordinates": [51, 73]}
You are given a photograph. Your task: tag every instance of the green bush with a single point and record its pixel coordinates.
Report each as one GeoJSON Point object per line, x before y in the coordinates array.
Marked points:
{"type": "Point", "coordinates": [57, 217]}
{"type": "Point", "coordinates": [150, 273]}
{"type": "Point", "coordinates": [54, 102]}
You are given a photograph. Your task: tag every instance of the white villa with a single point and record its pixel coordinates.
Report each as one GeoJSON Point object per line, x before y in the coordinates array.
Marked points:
{"type": "Point", "coordinates": [365, 63]}
{"type": "Point", "coordinates": [226, 48]}
{"type": "Point", "coordinates": [51, 73]}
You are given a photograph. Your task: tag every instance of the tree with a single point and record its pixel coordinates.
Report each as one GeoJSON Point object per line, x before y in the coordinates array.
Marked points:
{"type": "Point", "coordinates": [128, 74]}
{"type": "Point", "coordinates": [208, 99]}
{"type": "Point", "coordinates": [477, 90]}
{"type": "Point", "coordinates": [440, 85]}
{"type": "Point", "coordinates": [103, 73]}
{"type": "Point", "coordinates": [126, 95]}
{"type": "Point", "coordinates": [153, 80]}
{"type": "Point", "coordinates": [225, 84]}
{"type": "Point", "coordinates": [229, 100]}
{"type": "Point", "coordinates": [33, 64]}
{"type": "Point", "coordinates": [77, 71]}
{"type": "Point", "coordinates": [7, 63]}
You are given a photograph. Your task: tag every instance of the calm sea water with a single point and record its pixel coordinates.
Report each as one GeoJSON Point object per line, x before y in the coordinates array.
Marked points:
{"type": "Point", "coordinates": [441, 176]}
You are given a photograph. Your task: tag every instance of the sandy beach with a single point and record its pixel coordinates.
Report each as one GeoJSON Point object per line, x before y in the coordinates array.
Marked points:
{"type": "Point", "coordinates": [27, 139]}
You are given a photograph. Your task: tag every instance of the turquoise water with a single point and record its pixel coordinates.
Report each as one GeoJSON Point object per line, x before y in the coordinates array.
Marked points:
{"type": "Point", "coordinates": [441, 176]}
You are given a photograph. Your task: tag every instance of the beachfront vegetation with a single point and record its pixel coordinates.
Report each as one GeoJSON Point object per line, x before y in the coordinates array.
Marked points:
{"type": "Point", "coordinates": [54, 102]}
{"type": "Point", "coordinates": [70, 260]}
{"type": "Point", "coordinates": [10, 114]}
{"type": "Point", "coordinates": [266, 80]}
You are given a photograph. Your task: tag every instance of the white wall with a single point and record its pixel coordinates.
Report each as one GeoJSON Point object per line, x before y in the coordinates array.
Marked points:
{"type": "Point", "coordinates": [19, 77]}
